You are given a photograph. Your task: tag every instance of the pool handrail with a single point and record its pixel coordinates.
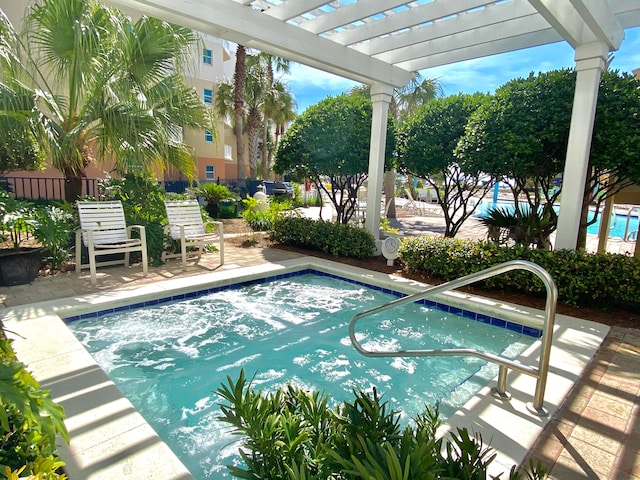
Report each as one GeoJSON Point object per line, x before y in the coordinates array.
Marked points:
{"type": "Point", "coordinates": [540, 373]}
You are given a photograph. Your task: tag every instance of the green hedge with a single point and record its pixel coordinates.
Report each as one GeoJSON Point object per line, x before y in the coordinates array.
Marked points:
{"type": "Point", "coordinates": [583, 279]}
{"type": "Point", "coordinates": [334, 238]}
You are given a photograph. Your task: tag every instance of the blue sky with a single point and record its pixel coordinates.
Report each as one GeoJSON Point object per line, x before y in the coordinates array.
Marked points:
{"type": "Point", "coordinates": [481, 75]}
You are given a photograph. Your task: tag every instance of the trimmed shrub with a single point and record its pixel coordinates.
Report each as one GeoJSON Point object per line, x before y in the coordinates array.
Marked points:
{"type": "Point", "coordinates": [583, 279]}
{"type": "Point", "coordinates": [338, 239]}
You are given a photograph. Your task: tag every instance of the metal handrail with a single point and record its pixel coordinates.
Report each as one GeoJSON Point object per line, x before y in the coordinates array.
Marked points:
{"type": "Point", "coordinates": [540, 372]}
{"type": "Point", "coordinates": [628, 236]}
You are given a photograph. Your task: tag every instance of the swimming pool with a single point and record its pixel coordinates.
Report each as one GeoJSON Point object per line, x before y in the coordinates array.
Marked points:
{"type": "Point", "coordinates": [618, 226]}
{"type": "Point", "coordinates": [110, 439]}
{"type": "Point", "coordinates": [169, 371]}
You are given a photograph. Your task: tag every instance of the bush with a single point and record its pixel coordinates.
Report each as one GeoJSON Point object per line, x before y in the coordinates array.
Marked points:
{"type": "Point", "coordinates": [583, 279]}
{"type": "Point", "coordinates": [337, 239]}
{"type": "Point", "coordinates": [29, 421]}
{"type": "Point", "coordinates": [261, 216]}
{"type": "Point", "coordinates": [292, 433]}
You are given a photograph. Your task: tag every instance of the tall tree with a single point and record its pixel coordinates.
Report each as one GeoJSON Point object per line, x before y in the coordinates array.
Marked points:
{"type": "Point", "coordinates": [272, 64]}
{"type": "Point", "coordinates": [239, 79]}
{"type": "Point", "coordinates": [331, 140]}
{"type": "Point", "coordinates": [281, 109]}
{"type": "Point", "coordinates": [522, 135]}
{"type": "Point", "coordinates": [428, 140]}
{"type": "Point", "coordinates": [112, 89]}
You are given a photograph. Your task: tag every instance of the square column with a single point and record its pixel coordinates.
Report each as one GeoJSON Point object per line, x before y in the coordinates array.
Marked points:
{"type": "Point", "coordinates": [590, 62]}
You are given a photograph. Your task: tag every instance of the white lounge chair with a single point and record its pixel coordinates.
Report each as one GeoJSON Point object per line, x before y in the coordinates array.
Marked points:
{"type": "Point", "coordinates": [103, 230]}
{"type": "Point", "coordinates": [186, 226]}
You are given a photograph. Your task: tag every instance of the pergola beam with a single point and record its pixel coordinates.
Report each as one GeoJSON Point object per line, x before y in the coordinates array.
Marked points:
{"type": "Point", "coordinates": [582, 21]}
{"type": "Point", "coordinates": [252, 28]}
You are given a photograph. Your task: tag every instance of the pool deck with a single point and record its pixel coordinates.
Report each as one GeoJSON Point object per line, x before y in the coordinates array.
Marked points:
{"type": "Point", "coordinates": [594, 434]}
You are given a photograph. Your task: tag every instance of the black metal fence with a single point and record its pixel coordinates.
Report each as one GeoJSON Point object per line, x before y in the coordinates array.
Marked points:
{"type": "Point", "coordinates": [50, 188]}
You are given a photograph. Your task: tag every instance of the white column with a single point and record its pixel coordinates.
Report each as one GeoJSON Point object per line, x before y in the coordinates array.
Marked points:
{"type": "Point", "coordinates": [380, 97]}
{"type": "Point", "coordinates": [590, 62]}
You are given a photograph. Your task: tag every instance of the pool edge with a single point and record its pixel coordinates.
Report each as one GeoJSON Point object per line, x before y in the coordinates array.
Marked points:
{"type": "Point", "coordinates": [123, 448]}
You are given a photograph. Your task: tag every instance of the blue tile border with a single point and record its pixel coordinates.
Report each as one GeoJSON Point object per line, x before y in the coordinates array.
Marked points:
{"type": "Point", "coordinates": [479, 317]}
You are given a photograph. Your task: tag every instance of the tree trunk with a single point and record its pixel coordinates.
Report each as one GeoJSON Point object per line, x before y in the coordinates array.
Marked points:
{"type": "Point", "coordinates": [390, 193]}
{"type": "Point", "coordinates": [239, 77]}
{"type": "Point", "coordinates": [72, 188]}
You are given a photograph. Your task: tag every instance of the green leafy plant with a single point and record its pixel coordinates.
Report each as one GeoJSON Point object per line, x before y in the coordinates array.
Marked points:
{"type": "Point", "coordinates": [54, 229]}
{"type": "Point", "coordinates": [16, 218]}
{"type": "Point", "coordinates": [295, 434]}
{"type": "Point", "coordinates": [334, 238]}
{"type": "Point", "coordinates": [583, 279]}
{"type": "Point", "coordinates": [29, 421]}
{"type": "Point", "coordinates": [524, 226]}
{"type": "Point", "coordinates": [260, 216]}
{"type": "Point", "coordinates": [214, 193]}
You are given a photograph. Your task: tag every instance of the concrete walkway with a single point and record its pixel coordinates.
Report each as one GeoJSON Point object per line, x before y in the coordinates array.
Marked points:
{"type": "Point", "coordinates": [595, 435]}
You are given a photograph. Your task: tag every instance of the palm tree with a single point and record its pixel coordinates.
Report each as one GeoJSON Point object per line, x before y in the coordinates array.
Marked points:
{"type": "Point", "coordinates": [255, 95]}
{"type": "Point", "coordinates": [239, 79]}
{"type": "Point", "coordinates": [259, 103]}
{"type": "Point", "coordinates": [111, 89]}
{"type": "Point", "coordinates": [281, 109]}
{"type": "Point", "coordinates": [272, 64]}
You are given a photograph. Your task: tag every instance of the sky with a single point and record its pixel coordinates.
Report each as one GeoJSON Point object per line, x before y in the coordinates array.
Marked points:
{"type": "Point", "coordinates": [480, 75]}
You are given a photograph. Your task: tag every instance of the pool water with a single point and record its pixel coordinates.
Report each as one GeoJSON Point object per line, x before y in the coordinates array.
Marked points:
{"type": "Point", "coordinates": [618, 226]}
{"type": "Point", "coordinates": [169, 359]}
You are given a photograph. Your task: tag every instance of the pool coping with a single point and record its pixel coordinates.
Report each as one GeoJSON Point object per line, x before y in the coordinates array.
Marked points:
{"type": "Point", "coordinates": [109, 439]}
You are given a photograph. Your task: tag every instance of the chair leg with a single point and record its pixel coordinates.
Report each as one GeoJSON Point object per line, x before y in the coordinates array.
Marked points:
{"type": "Point", "coordinates": [78, 251]}
{"type": "Point", "coordinates": [145, 262]}
{"type": "Point", "coordinates": [92, 264]}
{"type": "Point", "coordinates": [183, 247]}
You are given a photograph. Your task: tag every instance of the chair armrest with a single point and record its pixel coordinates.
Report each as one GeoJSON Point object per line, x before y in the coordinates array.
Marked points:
{"type": "Point", "coordinates": [140, 228]}
{"type": "Point", "coordinates": [214, 223]}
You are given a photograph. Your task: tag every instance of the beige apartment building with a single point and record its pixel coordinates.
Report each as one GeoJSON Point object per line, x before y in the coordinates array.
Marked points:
{"type": "Point", "coordinates": [215, 157]}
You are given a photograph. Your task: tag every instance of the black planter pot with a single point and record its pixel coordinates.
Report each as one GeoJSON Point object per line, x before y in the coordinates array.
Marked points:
{"type": "Point", "coordinates": [21, 266]}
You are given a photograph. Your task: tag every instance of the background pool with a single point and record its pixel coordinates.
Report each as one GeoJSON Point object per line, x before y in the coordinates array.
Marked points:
{"type": "Point", "coordinates": [618, 222]}
{"type": "Point", "coordinates": [169, 359]}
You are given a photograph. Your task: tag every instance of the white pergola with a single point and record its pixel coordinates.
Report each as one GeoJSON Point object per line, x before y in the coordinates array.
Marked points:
{"type": "Point", "coordinates": [380, 42]}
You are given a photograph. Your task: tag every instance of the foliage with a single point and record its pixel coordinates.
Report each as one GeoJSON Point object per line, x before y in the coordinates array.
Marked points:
{"type": "Point", "coordinates": [214, 193]}
{"type": "Point", "coordinates": [19, 149]}
{"type": "Point", "coordinates": [51, 226]}
{"type": "Point", "coordinates": [428, 140]}
{"type": "Point", "coordinates": [522, 134]}
{"type": "Point", "coordinates": [583, 279]}
{"type": "Point", "coordinates": [16, 218]}
{"type": "Point", "coordinates": [257, 100]}
{"type": "Point", "coordinates": [261, 217]}
{"type": "Point", "coordinates": [29, 420]}
{"type": "Point", "coordinates": [112, 89]}
{"type": "Point", "coordinates": [331, 140]}
{"type": "Point", "coordinates": [54, 227]}
{"type": "Point", "coordinates": [334, 238]}
{"type": "Point", "coordinates": [524, 226]}
{"type": "Point", "coordinates": [295, 434]}
{"type": "Point", "coordinates": [143, 203]}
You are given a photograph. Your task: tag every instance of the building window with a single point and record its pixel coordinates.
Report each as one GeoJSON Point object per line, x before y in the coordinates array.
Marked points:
{"type": "Point", "coordinates": [207, 56]}
{"type": "Point", "coordinates": [209, 172]}
{"type": "Point", "coordinates": [208, 95]}
{"type": "Point", "coordinates": [208, 136]}
{"type": "Point", "coordinates": [227, 152]}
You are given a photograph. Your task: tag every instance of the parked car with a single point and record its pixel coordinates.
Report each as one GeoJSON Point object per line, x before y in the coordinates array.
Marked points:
{"type": "Point", "coordinates": [279, 188]}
